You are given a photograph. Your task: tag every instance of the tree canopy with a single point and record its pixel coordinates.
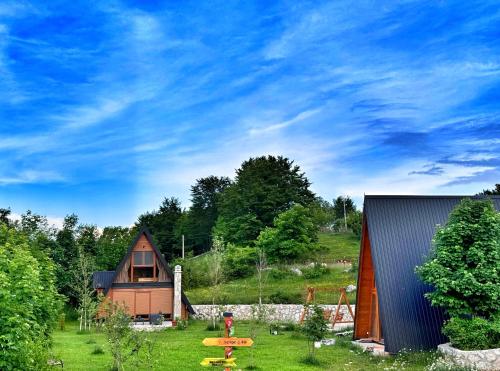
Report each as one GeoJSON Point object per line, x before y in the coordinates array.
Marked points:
{"type": "Point", "coordinates": [293, 236]}
{"type": "Point", "coordinates": [264, 187]}
{"type": "Point", "coordinates": [204, 210]}
{"type": "Point", "coordinates": [162, 224]}
{"type": "Point", "coordinates": [464, 267]}
{"type": "Point", "coordinates": [491, 192]}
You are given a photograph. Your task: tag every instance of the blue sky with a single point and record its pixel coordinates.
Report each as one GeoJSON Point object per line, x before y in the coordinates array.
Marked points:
{"type": "Point", "coordinates": [107, 107]}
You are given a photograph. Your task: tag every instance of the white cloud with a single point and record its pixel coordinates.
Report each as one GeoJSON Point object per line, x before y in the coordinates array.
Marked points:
{"type": "Point", "coordinates": [284, 124]}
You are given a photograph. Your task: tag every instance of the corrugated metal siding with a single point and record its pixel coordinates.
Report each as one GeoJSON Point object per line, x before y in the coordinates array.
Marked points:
{"type": "Point", "coordinates": [400, 231]}
{"type": "Point", "coordinates": [103, 279]}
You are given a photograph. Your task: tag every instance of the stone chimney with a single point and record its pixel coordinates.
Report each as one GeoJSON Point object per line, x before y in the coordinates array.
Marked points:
{"type": "Point", "coordinates": [177, 292]}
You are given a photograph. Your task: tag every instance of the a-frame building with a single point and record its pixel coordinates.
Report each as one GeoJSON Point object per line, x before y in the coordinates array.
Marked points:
{"type": "Point", "coordinates": [397, 235]}
{"type": "Point", "coordinates": [143, 282]}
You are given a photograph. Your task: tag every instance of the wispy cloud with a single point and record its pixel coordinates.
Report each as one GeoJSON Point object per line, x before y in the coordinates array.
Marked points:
{"type": "Point", "coordinates": [142, 99]}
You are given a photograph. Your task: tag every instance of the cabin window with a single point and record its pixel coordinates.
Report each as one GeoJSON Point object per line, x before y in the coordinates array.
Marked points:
{"type": "Point", "coordinates": [143, 258]}
{"type": "Point", "coordinates": [143, 269]}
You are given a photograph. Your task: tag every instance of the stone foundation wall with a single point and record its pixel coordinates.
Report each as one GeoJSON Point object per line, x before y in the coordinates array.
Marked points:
{"type": "Point", "coordinates": [474, 359]}
{"type": "Point", "coordinates": [275, 312]}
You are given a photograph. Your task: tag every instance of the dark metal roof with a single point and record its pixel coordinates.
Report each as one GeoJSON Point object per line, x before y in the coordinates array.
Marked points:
{"type": "Point", "coordinates": [163, 262]}
{"type": "Point", "coordinates": [102, 280]}
{"type": "Point", "coordinates": [401, 229]}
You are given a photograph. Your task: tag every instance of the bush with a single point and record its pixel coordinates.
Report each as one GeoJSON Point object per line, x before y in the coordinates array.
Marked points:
{"type": "Point", "coordinates": [194, 272]}
{"type": "Point", "coordinates": [29, 303]}
{"type": "Point", "coordinates": [464, 266]}
{"type": "Point", "coordinates": [315, 328]}
{"type": "Point", "coordinates": [281, 297]}
{"type": "Point", "coordinates": [316, 271]}
{"type": "Point", "coordinates": [473, 333]}
{"type": "Point", "coordinates": [279, 274]}
{"type": "Point", "coordinates": [239, 262]}
{"type": "Point", "coordinates": [97, 350]}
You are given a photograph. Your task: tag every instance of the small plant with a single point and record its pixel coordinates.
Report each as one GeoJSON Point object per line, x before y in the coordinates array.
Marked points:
{"type": "Point", "coordinates": [473, 333]}
{"type": "Point", "coordinates": [123, 341]}
{"type": "Point", "coordinates": [90, 341]}
{"type": "Point", "coordinates": [148, 358]}
{"type": "Point", "coordinates": [213, 326]}
{"type": "Point", "coordinates": [181, 324]}
{"type": "Point", "coordinates": [310, 360]}
{"type": "Point", "coordinates": [315, 328]}
{"type": "Point", "coordinates": [97, 350]}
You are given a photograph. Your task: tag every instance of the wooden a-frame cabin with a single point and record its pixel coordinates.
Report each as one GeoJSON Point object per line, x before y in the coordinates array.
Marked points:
{"type": "Point", "coordinates": [144, 284]}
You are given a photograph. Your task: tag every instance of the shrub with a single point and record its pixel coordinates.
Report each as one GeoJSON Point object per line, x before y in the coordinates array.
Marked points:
{"type": "Point", "coordinates": [279, 274]}
{"type": "Point", "coordinates": [239, 262]}
{"type": "Point", "coordinates": [122, 340]}
{"type": "Point", "coordinates": [473, 333]}
{"type": "Point", "coordinates": [29, 302]}
{"type": "Point", "coordinates": [97, 350]}
{"type": "Point", "coordinates": [181, 325]}
{"type": "Point", "coordinates": [315, 328]}
{"type": "Point", "coordinates": [464, 266]}
{"type": "Point", "coordinates": [194, 272]}
{"type": "Point", "coordinates": [316, 271]}
{"type": "Point", "coordinates": [281, 297]}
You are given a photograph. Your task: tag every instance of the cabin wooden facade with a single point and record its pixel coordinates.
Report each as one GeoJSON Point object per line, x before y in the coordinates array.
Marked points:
{"type": "Point", "coordinates": [143, 283]}
{"type": "Point", "coordinates": [396, 237]}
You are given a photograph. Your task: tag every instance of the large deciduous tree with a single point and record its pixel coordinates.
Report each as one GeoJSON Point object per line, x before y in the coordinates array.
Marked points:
{"type": "Point", "coordinates": [264, 187]}
{"type": "Point", "coordinates": [464, 267]}
{"type": "Point", "coordinates": [293, 236]}
{"type": "Point", "coordinates": [111, 246]}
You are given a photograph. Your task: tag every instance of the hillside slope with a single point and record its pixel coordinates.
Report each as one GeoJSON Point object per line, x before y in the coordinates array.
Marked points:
{"type": "Point", "coordinates": [281, 285]}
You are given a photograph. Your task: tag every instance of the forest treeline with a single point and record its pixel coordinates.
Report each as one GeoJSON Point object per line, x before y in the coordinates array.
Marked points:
{"type": "Point", "coordinates": [235, 210]}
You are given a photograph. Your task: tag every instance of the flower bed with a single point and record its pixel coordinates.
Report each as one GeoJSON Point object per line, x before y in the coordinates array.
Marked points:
{"type": "Point", "coordinates": [488, 359]}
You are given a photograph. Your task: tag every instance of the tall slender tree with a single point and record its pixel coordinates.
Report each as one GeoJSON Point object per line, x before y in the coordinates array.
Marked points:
{"type": "Point", "coordinates": [204, 210]}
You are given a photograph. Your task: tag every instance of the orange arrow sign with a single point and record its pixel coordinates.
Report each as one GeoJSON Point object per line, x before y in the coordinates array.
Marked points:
{"type": "Point", "coordinates": [227, 342]}
{"type": "Point", "coordinates": [224, 362]}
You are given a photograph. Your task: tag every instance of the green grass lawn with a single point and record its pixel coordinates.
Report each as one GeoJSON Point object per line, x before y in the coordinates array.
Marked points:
{"type": "Point", "coordinates": [333, 247]}
{"type": "Point", "coordinates": [183, 350]}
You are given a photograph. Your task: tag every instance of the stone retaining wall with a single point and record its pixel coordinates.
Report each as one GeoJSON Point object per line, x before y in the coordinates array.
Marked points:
{"type": "Point", "coordinates": [276, 312]}
{"type": "Point", "coordinates": [474, 359]}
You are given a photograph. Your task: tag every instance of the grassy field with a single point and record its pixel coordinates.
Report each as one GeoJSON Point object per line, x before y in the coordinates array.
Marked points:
{"type": "Point", "coordinates": [183, 350]}
{"type": "Point", "coordinates": [337, 246]}
{"type": "Point", "coordinates": [333, 247]}
{"type": "Point", "coordinates": [245, 290]}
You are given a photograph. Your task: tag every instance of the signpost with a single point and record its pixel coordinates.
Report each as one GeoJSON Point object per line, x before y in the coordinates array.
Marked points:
{"type": "Point", "coordinates": [228, 342]}
{"type": "Point", "coordinates": [217, 362]}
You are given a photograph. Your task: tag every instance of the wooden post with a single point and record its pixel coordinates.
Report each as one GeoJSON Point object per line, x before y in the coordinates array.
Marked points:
{"type": "Point", "coordinates": [183, 247]}
{"type": "Point", "coordinates": [228, 332]}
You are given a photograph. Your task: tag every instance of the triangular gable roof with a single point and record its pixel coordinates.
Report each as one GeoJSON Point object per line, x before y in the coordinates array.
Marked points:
{"type": "Point", "coordinates": [400, 230]}
{"type": "Point", "coordinates": [163, 262]}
